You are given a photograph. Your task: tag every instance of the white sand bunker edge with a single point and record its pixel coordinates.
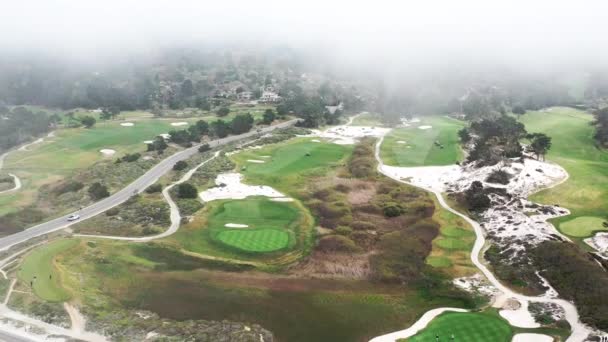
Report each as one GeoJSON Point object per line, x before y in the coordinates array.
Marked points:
{"type": "Point", "coordinates": [182, 123]}
{"type": "Point", "coordinates": [127, 124]}
{"type": "Point", "coordinates": [236, 225]}
{"type": "Point", "coordinates": [425, 127]}
{"type": "Point", "coordinates": [256, 161]}
{"type": "Point", "coordinates": [107, 152]}
{"type": "Point", "coordinates": [230, 186]}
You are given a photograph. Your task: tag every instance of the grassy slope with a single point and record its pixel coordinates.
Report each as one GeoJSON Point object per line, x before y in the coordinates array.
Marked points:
{"type": "Point", "coordinates": [419, 149]}
{"type": "Point", "coordinates": [40, 264]}
{"type": "Point", "coordinates": [470, 327]}
{"type": "Point", "coordinates": [586, 191]}
{"type": "Point", "coordinates": [70, 150]}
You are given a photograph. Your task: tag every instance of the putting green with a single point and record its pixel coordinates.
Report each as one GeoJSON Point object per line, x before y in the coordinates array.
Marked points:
{"type": "Point", "coordinates": [412, 146]}
{"type": "Point", "coordinates": [585, 193]}
{"type": "Point", "coordinates": [39, 268]}
{"type": "Point", "coordinates": [270, 224]}
{"type": "Point", "coordinates": [259, 240]}
{"type": "Point", "coordinates": [583, 226]}
{"type": "Point", "coordinates": [439, 261]}
{"type": "Point", "coordinates": [470, 327]}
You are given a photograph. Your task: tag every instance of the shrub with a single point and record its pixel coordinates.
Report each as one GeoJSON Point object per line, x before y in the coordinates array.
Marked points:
{"type": "Point", "coordinates": [343, 230]}
{"type": "Point", "coordinates": [112, 212]}
{"type": "Point", "coordinates": [204, 148]}
{"type": "Point", "coordinates": [187, 190]}
{"type": "Point", "coordinates": [129, 158]}
{"type": "Point", "coordinates": [337, 243]}
{"type": "Point", "coordinates": [180, 165]}
{"type": "Point", "coordinates": [392, 209]}
{"type": "Point", "coordinates": [476, 198]}
{"type": "Point", "coordinates": [98, 191]}
{"type": "Point", "coordinates": [498, 176]}
{"type": "Point", "coordinates": [154, 188]}
{"type": "Point", "coordinates": [363, 225]}
{"type": "Point", "coordinates": [68, 186]}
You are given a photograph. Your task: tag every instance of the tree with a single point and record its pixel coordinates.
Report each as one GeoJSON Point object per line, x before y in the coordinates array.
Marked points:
{"type": "Point", "coordinates": [223, 111]}
{"type": "Point", "coordinates": [519, 110]}
{"type": "Point", "coordinates": [241, 123]}
{"type": "Point", "coordinates": [268, 117]}
{"type": "Point", "coordinates": [88, 121]}
{"type": "Point", "coordinates": [204, 148]}
{"type": "Point", "coordinates": [108, 113]}
{"type": "Point", "coordinates": [464, 135]}
{"type": "Point", "coordinates": [98, 191]}
{"type": "Point", "coordinates": [540, 144]}
{"type": "Point", "coordinates": [219, 128]}
{"type": "Point", "coordinates": [186, 190]}
{"type": "Point", "coordinates": [187, 89]}
{"type": "Point", "coordinates": [202, 103]}
{"type": "Point", "coordinates": [180, 165]}
{"type": "Point", "coordinates": [601, 126]}
{"type": "Point", "coordinates": [158, 144]}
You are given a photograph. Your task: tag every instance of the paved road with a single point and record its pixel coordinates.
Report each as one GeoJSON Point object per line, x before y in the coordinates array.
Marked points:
{"type": "Point", "coordinates": [6, 336]}
{"type": "Point", "coordinates": [121, 196]}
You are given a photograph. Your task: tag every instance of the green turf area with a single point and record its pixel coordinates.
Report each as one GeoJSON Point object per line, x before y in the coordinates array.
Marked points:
{"type": "Point", "coordinates": [452, 247]}
{"type": "Point", "coordinates": [73, 149]}
{"type": "Point", "coordinates": [412, 146]}
{"type": "Point", "coordinates": [272, 226]}
{"type": "Point", "coordinates": [287, 163]}
{"type": "Point", "coordinates": [367, 119]}
{"type": "Point", "coordinates": [259, 240]}
{"type": "Point", "coordinates": [469, 327]}
{"type": "Point", "coordinates": [39, 267]}
{"type": "Point", "coordinates": [585, 193]}
{"type": "Point", "coordinates": [582, 226]}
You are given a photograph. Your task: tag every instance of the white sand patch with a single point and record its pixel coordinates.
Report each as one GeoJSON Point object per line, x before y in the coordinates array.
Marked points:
{"type": "Point", "coordinates": [256, 161]}
{"type": "Point", "coordinates": [230, 186]}
{"type": "Point", "coordinates": [127, 124]}
{"type": "Point", "coordinates": [147, 158]}
{"type": "Point", "coordinates": [401, 142]}
{"type": "Point", "coordinates": [529, 337]}
{"type": "Point", "coordinates": [107, 152]}
{"type": "Point", "coordinates": [282, 199]}
{"type": "Point", "coordinates": [236, 225]}
{"type": "Point", "coordinates": [476, 284]}
{"type": "Point", "coordinates": [520, 317]}
{"type": "Point", "coordinates": [425, 127]}
{"type": "Point", "coordinates": [165, 136]}
{"type": "Point", "coordinates": [348, 135]}
{"type": "Point", "coordinates": [148, 141]}
{"type": "Point", "coordinates": [599, 242]}
{"type": "Point", "coordinates": [182, 123]}
{"type": "Point", "coordinates": [316, 140]}
{"type": "Point", "coordinates": [264, 156]}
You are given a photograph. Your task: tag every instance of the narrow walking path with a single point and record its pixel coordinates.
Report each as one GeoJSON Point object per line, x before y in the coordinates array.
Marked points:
{"type": "Point", "coordinates": [175, 215]}
{"type": "Point", "coordinates": [16, 179]}
{"type": "Point", "coordinates": [579, 331]}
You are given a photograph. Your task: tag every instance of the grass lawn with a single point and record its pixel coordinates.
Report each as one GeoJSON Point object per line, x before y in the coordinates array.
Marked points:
{"type": "Point", "coordinates": [288, 164]}
{"type": "Point", "coordinates": [470, 327]}
{"type": "Point", "coordinates": [40, 267]}
{"type": "Point", "coordinates": [272, 227]}
{"type": "Point", "coordinates": [367, 119]}
{"type": "Point", "coordinates": [451, 249]}
{"type": "Point", "coordinates": [585, 193]}
{"type": "Point", "coordinates": [72, 149]}
{"type": "Point", "coordinates": [412, 146]}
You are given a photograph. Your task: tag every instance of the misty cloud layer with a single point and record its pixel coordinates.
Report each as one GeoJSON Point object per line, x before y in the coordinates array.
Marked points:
{"type": "Point", "coordinates": [381, 32]}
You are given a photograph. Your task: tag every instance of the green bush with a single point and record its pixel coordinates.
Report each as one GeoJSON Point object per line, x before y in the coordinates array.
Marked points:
{"type": "Point", "coordinates": [187, 190]}
{"type": "Point", "coordinates": [180, 165]}
{"type": "Point", "coordinates": [68, 186]}
{"type": "Point", "coordinates": [343, 230]}
{"type": "Point", "coordinates": [154, 188]}
{"type": "Point", "coordinates": [98, 191]}
{"type": "Point", "coordinates": [337, 243]}
{"type": "Point", "coordinates": [204, 148]}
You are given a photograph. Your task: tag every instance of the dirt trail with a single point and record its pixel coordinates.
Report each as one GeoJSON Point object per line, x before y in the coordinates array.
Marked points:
{"type": "Point", "coordinates": [79, 322]}
{"type": "Point", "coordinates": [21, 148]}
{"type": "Point", "coordinates": [579, 331]}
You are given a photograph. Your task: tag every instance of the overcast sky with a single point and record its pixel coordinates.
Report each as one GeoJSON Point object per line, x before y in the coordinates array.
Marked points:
{"type": "Point", "coordinates": [535, 30]}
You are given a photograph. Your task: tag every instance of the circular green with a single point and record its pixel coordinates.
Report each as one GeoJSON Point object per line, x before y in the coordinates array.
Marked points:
{"type": "Point", "coordinates": [439, 261]}
{"type": "Point", "coordinates": [259, 240]}
{"type": "Point", "coordinates": [449, 243]}
{"type": "Point", "coordinates": [470, 327]}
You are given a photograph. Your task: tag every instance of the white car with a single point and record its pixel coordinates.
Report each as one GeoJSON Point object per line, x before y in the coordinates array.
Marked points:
{"type": "Point", "coordinates": [73, 217]}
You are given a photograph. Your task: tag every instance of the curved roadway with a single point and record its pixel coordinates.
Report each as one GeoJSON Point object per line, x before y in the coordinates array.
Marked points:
{"type": "Point", "coordinates": [137, 186]}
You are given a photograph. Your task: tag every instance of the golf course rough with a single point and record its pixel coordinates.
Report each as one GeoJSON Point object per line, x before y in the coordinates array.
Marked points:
{"type": "Point", "coordinates": [40, 271]}
{"type": "Point", "coordinates": [470, 327]}
{"type": "Point", "coordinates": [270, 224]}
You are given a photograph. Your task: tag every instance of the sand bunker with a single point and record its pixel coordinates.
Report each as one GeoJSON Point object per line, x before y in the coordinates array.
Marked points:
{"type": "Point", "coordinates": [256, 161]}
{"type": "Point", "coordinates": [107, 152]}
{"type": "Point", "coordinates": [236, 225]}
{"type": "Point", "coordinates": [230, 186]}
{"type": "Point", "coordinates": [316, 140]}
{"type": "Point", "coordinates": [127, 124]}
{"type": "Point", "coordinates": [599, 242]}
{"type": "Point", "coordinates": [425, 127]}
{"type": "Point", "coordinates": [164, 135]}
{"type": "Point", "coordinates": [528, 337]}
{"type": "Point", "coordinates": [521, 317]}
{"type": "Point", "coordinates": [401, 142]}
{"type": "Point", "coordinates": [179, 123]}
{"type": "Point", "coordinates": [148, 141]}
{"type": "Point", "coordinates": [348, 135]}
{"type": "Point", "coordinates": [282, 199]}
